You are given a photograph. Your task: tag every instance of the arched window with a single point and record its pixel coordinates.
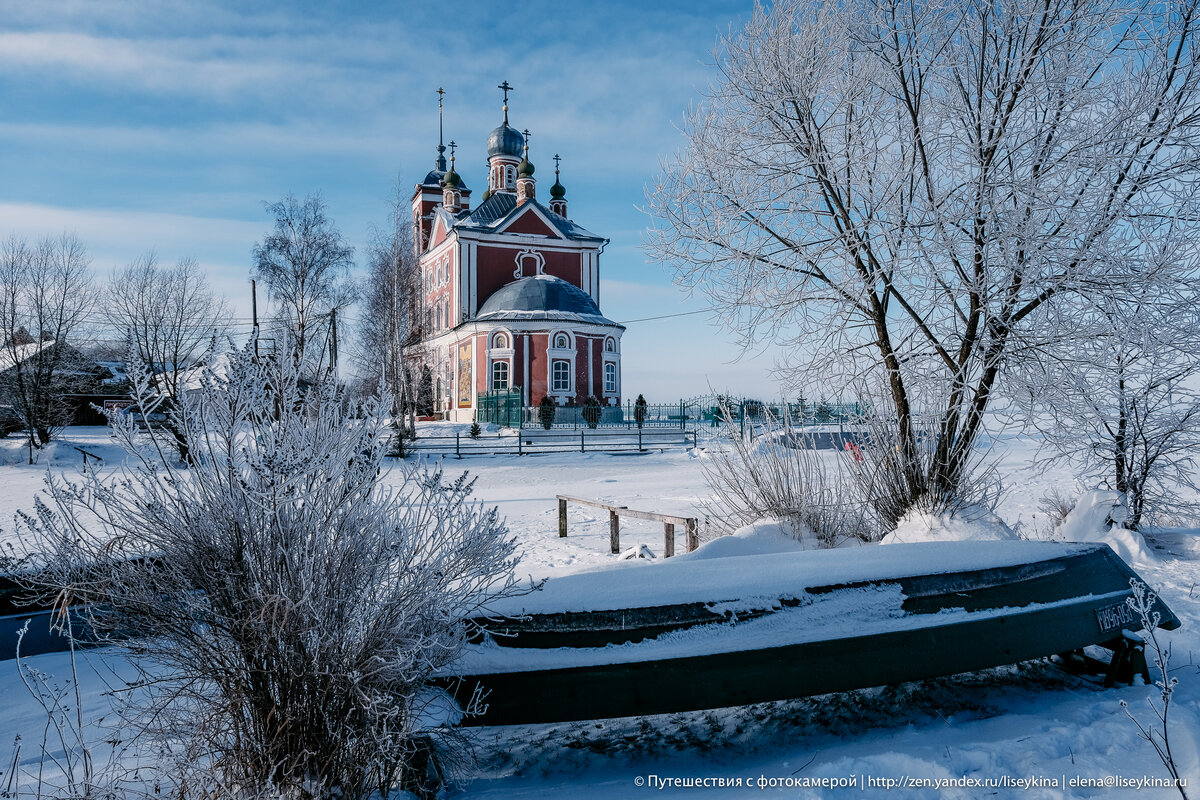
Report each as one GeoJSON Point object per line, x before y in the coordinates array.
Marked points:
{"type": "Point", "coordinates": [610, 345]}
{"type": "Point", "coordinates": [499, 374]}
{"type": "Point", "coordinates": [560, 376]}
{"type": "Point", "coordinates": [610, 377]}
{"type": "Point", "coordinates": [510, 176]}
{"type": "Point", "coordinates": [561, 341]}
{"type": "Point", "coordinates": [500, 342]}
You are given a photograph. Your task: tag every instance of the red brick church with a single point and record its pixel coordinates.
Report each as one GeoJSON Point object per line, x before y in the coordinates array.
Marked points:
{"type": "Point", "coordinates": [510, 289]}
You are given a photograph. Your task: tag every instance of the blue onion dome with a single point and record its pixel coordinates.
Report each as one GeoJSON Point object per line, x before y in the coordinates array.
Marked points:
{"type": "Point", "coordinates": [558, 191]}
{"type": "Point", "coordinates": [505, 141]}
{"type": "Point", "coordinates": [525, 169]}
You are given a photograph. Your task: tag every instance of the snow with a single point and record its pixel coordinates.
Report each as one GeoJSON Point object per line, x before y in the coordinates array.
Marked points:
{"type": "Point", "coordinates": [1092, 520]}
{"type": "Point", "coordinates": [974, 523]}
{"type": "Point", "coordinates": [1031, 721]}
{"type": "Point", "coordinates": [773, 574]}
{"type": "Point", "coordinates": [833, 615]}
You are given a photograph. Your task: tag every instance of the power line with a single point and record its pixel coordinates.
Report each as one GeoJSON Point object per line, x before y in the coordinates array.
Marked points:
{"type": "Point", "coordinates": [666, 316]}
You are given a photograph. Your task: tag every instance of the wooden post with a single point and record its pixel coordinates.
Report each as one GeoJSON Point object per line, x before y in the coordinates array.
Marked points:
{"type": "Point", "coordinates": [582, 448]}
{"type": "Point", "coordinates": [693, 538]}
{"type": "Point", "coordinates": [562, 518]}
{"type": "Point", "coordinates": [668, 539]}
{"type": "Point", "coordinates": [614, 531]}
{"type": "Point", "coordinates": [458, 445]}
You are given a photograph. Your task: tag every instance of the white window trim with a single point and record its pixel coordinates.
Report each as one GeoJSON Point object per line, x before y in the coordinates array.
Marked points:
{"type": "Point", "coordinates": [570, 390]}
{"type": "Point", "coordinates": [492, 362]}
{"type": "Point", "coordinates": [615, 360]}
{"type": "Point", "coordinates": [616, 378]}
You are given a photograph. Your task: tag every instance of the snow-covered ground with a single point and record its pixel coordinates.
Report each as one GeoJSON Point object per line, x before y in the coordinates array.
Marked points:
{"type": "Point", "coordinates": [1030, 723]}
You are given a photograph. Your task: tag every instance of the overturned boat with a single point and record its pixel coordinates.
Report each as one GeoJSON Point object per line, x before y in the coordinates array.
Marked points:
{"type": "Point", "coordinates": [694, 633]}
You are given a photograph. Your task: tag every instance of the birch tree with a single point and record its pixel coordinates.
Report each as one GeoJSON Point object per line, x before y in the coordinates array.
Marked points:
{"type": "Point", "coordinates": [305, 264]}
{"type": "Point", "coordinates": [895, 189]}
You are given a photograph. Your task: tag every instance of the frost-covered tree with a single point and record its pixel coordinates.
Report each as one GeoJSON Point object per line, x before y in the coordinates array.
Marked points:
{"type": "Point", "coordinates": [44, 306]}
{"type": "Point", "coordinates": [285, 607]}
{"type": "Point", "coordinates": [305, 264]}
{"type": "Point", "coordinates": [1115, 395]}
{"type": "Point", "coordinates": [169, 317]}
{"type": "Point", "coordinates": [390, 312]}
{"type": "Point", "coordinates": [896, 188]}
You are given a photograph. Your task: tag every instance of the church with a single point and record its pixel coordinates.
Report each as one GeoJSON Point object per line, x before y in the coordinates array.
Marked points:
{"type": "Point", "coordinates": [510, 289]}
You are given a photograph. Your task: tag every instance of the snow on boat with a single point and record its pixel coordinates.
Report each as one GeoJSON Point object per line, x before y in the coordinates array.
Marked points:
{"type": "Point", "coordinates": [686, 635]}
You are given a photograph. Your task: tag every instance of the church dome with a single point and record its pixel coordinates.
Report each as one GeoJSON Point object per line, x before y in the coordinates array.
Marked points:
{"type": "Point", "coordinates": [543, 293]}
{"type": "Point", "coordinates": [505, 141]}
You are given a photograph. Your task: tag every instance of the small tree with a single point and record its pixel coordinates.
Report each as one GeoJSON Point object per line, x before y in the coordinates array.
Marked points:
{"type": "Point", "coordinates": [591, 412]}
{"type": "Point", "coordinates": [476, 431]}
{"type": "Point", "coordinates": [639, 411]}
{"type": "Point", "coordinates": [546, 410]}
{"type": "Point", "coordinates": [285, 609]}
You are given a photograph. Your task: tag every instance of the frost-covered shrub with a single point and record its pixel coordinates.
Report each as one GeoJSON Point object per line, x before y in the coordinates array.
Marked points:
{"type": "Point", "coordinates": [781, 475]}
{"type": "Point", "coordinates": [892, 473]}
{"type": "Point", "coordinates": [285, 608]}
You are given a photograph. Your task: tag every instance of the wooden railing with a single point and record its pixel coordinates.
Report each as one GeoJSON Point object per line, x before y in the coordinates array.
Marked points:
{"type": "Point", "coordinates": [669, 521]}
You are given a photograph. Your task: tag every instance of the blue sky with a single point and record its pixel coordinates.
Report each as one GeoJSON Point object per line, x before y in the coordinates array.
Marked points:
{"type": "Point", "coordinates": [168, 124]}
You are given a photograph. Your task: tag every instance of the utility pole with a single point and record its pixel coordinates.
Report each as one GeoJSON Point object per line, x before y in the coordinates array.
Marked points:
{"type": "Point", "coordinates": [254, 313]}
{"type": "Point", "coordinates": [333, 343]}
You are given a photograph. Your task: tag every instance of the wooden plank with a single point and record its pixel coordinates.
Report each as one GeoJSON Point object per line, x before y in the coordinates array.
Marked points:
{"type": "Point", "coordinates": [614, 531]}
{"type": "Point", "coordinates": [668, 540]}
{"type": "Point", "coordinates": [562, 518]}
{"type": "Point", "coordinates": [693, 537]}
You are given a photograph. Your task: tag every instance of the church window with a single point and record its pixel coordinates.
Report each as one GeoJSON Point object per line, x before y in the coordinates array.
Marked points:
{"type": "Point", "coordinates": [560, 376]}
{"type": "Point", "coordinates": [561, 341]}
{"type": "Point", "coordinates": [510, 176]}
{"type": "Point", "coordinates": [500, 342]}
{"type": "Point", "coordinates": [499, 374]}
{"type": "Point", "coordinates": [610, 345]}
{"type": "Point", "coordinates": [610, 377]}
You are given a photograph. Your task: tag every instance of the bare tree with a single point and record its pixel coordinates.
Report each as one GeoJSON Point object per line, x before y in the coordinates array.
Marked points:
{"type": "Point", "coordinates": [1115, 395]}
{"type": "Point", "coordinates": [286, 608]}
{"type": "Point", "coordinates": [169, 318]}
{"type": "Point", "coordinates": [305, 264]}
{"type": "Point", "coordinates": [44, 304]}
{"type": "Point", "coordinates": [896, 189]}
{"type": "Point", "coordinates": [390, 310]}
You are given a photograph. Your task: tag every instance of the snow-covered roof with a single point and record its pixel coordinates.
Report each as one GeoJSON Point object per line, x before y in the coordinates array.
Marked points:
{"type": "Point", "coordinates": [493, 213]}
{"type": "Point", "coordinates": [10, 356]}
{"type": "Point", "coordinates": [542, 297]}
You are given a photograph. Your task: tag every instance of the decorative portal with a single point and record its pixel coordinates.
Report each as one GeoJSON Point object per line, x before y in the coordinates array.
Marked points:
{"type": "Point", "coordinates": [464, 374]}
{"type": "Point", "coordinates": [526, 256]}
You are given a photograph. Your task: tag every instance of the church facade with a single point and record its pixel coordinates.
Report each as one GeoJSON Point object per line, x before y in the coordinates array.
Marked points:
{"type": "Point", "coordinates": [509, 289]}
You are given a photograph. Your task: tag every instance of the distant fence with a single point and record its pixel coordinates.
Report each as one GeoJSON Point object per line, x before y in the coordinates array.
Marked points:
{"type": "Point", "coordinates": [506, 408]}
{"type": "Point", "coordinates": [532, 441]}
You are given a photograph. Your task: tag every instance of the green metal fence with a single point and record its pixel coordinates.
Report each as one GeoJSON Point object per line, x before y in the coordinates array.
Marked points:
{"type": "Point", "coordinates": [501, 407]}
